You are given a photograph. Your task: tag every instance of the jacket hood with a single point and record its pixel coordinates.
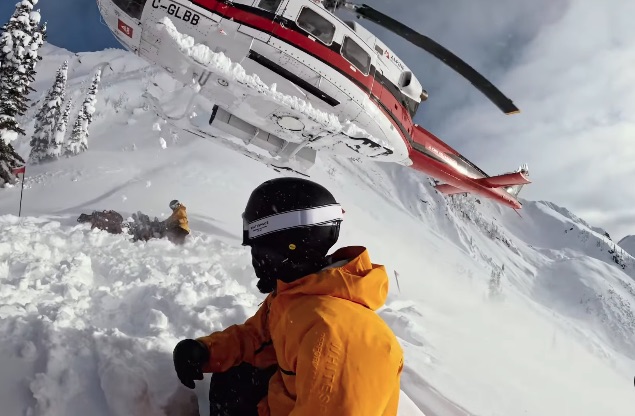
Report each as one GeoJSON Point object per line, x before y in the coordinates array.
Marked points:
{"type": "Point", "coordinates": [359, 280]}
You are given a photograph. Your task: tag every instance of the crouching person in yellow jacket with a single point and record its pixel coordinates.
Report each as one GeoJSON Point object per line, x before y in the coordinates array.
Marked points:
{"type": "Point", "coordinates": [177, 225]}
{"type": "Point", "coordinates": [316, 346]}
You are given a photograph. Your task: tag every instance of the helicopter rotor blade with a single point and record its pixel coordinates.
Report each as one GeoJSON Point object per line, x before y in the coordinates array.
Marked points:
{"type": "Point", "coordinates": [438, 51]}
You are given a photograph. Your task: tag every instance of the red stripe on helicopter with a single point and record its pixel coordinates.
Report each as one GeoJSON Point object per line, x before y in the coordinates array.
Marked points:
{"type": "Point", "coordinates": [386, 101]}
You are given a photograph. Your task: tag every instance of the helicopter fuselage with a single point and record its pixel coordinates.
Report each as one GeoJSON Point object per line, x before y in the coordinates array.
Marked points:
{"type": "Point", "coordinates": [307, 52]}
{"type": "Point", "coordinates": [299, 46]}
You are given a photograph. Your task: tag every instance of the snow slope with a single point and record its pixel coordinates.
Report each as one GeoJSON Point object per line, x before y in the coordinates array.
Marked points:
{"type": "Point", "coordinates": [497, 314]}
{"type": "Point", "coordinates": [628, 244]}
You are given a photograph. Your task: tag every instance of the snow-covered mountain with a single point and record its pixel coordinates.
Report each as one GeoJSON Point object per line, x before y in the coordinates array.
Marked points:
{"type": "Point", "coordinates": [628, 244]}
{"type": "Point", "coordinates": [498, 314]}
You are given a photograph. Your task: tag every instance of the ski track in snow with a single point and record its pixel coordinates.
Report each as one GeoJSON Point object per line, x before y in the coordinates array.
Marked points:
{"type": "Point", "coordinates": [88, 320]}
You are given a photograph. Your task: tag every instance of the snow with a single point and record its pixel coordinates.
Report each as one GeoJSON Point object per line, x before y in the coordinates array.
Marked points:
{"type": "Point", "coordinates": [88, 320]}
{"type": "Point", "coordinates": [8, 135]}
{"type": "Point", "coordinates": [628, 244]}
{"type": "Point", "coordinates": [35, 17]}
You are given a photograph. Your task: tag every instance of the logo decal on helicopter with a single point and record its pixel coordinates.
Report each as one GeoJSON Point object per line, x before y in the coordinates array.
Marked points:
{"type": "Point", "coordinates": [176, 11]}
{"type": "Point", "coordinates": [124, 28]}
{"type": "Point", "coordinates": [395, 61]}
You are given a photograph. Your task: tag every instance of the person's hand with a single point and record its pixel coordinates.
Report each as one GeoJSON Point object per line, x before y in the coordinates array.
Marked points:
{"type": "Point", "coordinates": [189, 357]}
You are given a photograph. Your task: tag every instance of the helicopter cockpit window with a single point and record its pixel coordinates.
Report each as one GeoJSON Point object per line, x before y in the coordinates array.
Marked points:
{"type": "Point", "coordinates": [316, 25]}
{"type": "Point", "coordinates": [356, 55]}
{"type": "Point", "coordinates": [269, 5]}
{"type": "Point", "coordinates": [132, 8]}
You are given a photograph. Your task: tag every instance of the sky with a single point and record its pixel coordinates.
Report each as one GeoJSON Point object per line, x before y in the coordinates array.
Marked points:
{"type": "Point", "coordinates": [72, 24]}
{"type": "Point", "coordinates": [566, 63]}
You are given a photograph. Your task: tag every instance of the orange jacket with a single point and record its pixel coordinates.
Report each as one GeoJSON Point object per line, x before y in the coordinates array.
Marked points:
{"type": "Point", "coordinates": [335, 355]}
{"type": "Point", "coordinates": [178, 219]}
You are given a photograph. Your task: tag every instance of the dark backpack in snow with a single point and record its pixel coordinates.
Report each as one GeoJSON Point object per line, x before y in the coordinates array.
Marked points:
{"type": "Point", "coordinates": [110, 221]}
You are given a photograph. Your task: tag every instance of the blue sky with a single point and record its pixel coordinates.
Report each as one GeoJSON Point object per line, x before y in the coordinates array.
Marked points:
{"type": "Point", "coordinates": [566, 63]}
{"type": "Point", "coordinates": [72, 24]}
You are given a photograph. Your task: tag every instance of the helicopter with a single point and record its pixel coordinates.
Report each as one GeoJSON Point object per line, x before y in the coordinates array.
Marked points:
{"type": "Point", "coordinates": [286, 79]}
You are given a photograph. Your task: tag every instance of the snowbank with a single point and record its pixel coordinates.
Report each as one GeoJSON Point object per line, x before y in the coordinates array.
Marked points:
{"type": "Point", "coordinates": [89, 320]}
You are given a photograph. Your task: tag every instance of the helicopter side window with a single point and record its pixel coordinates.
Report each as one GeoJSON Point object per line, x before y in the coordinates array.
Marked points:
{"type": "Point", "coordinates": [269, 5]}
{"type": "Point", "coordinates": [132, 8]}
{"type": "Point", "coordinates": [356, 55]}
{"type": "Point", "coordinates": [316, 25]}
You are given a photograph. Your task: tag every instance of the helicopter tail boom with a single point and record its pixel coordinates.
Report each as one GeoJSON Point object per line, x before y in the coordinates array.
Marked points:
{"type": "Point", "coordinates": [500, 181]}
{"type": "Point", "coordinates": [506, 180]}
{"type": "Point", "coordinates": [434, 157]}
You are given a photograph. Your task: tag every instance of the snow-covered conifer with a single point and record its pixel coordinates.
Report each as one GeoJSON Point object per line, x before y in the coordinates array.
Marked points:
{"type": "Point", "coordinates": [9, 159]}
{"type": "Point", "coordinates": [20, 41]}
{"type": "Point", "coordinates": [62, 124]}
{"type": "Point", "coordinates": [37, 40]}
{"type": "Point", "coordinates": [78, 141]}
{"type": "Point", "coordinates": [44, 145]}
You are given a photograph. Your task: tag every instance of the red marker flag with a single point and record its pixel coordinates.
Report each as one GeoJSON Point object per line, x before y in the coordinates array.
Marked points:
{"type": "Point", "coordinates": [20, 170]}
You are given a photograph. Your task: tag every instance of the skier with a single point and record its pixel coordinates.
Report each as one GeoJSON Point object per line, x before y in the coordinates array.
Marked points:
{"type": "Point", "coordinates": [315, 346]}
{"type": "Point", "coordinates": [177, 226]}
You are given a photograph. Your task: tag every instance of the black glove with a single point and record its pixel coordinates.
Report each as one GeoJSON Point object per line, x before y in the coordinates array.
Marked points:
{"type": "Point", "coordinates": [189, 357]}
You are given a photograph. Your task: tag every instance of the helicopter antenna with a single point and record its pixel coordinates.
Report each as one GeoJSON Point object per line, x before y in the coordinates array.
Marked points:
{"type": "Point", "coordinates": [435, 49]}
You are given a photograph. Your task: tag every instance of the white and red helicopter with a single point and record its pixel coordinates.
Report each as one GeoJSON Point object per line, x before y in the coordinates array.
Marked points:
{"type": "Point", "coordinates": [321, 85]}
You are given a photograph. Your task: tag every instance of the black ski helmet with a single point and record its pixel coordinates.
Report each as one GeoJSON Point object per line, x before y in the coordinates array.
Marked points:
{"type": "Point", "coordinates": [174, 204]}
{"type": "Point", "coordinates": [290, 223]}
{"type": "Point", "coordinates": [284, 209]}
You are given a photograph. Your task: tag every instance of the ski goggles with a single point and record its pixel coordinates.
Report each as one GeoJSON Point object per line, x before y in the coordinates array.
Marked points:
{"type": "Point", "coordinates": [323, 215]}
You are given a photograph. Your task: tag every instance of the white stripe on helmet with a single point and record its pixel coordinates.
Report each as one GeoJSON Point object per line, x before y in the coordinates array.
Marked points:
{"type": "Point", "coordinates": [293, 219]}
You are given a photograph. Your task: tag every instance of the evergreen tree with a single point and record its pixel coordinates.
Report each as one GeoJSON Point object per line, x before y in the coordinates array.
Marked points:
{"type": "Point", "coordinates": [37, 40]}
{"type": "Point", "coordinates": [20, 41]}
{"type": "Point", "coordinates": [43, 143]}
{"type": "Point", "coordinates": [78, 142]}
{"type": "Point", "coordinates": [9, 159]}
{"type": "Point", "coordinates": [60, 129]}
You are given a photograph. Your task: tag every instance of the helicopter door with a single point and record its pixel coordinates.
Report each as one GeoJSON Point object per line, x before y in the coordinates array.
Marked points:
{"type": "Point", "coordinates": [125, 15]}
